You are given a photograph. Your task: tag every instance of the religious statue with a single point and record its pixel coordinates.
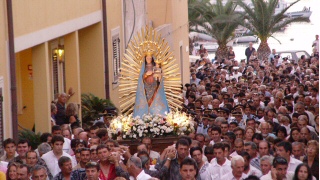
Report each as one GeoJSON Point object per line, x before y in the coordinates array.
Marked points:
{"type": "Point", "coordinates": [150, 96]}
{"type": "Point", "coordinates": [150, 81]}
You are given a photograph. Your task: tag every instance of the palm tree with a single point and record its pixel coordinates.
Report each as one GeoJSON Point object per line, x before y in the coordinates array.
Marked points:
{"type": "Point", "coordinates": [263, 22]}
{"type": "Point", "coordinates": [194, 14]}
{"type": "Point", "coordinates": [220, 21]}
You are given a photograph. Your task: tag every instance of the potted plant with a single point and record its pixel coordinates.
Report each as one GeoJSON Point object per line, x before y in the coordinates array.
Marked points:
{"type": "Point", "coordinates": [92, 107]}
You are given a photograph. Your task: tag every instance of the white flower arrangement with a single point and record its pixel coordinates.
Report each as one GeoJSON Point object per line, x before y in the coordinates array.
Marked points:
{"type": "Point", "coordinates": [127, 127]}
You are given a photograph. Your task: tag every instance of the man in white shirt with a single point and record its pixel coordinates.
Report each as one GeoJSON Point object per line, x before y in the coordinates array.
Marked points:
{"type": "Point", "coordinates": [236, 74]}
{"type": "Point", "coordinates": [56, 130]}
{"type": "Point", "coordinates": [134, 167]}
{"type": "Point", "coordinates": [266, 164]}
{"type": "Point", "coordinates": [52, 157]}
{"type": "Point", "coordinates": [315, 43]}
{"type": "Point", "coordinates": [249, 169]}
{"type": "Point", "coordinates": [238, 146]}
{"type": "Point", "coordinates": [251, 148]}
{"type": "Point", "coordinates": [220, 164]}
{"type": "Point", "coordinates": [237, 165]}
{"type": "Point", "coordinates": [152, 154]}
{"type": "Point", "coordinates": [205, 169]}
{"type": "Point", "coordinates": [284, 149]}
{"type": "Point", "coordinates": [279, 171]}
{"type": "Point", "coordinates": [299, 107]}
{"type": "Point", "coordinates": [194, 79]}
{"type": "Point", "coordinates": [215, 135]}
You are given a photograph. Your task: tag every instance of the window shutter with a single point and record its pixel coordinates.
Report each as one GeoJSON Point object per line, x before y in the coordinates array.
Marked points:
{"type": "Point", "coordinates": [116, 58]}
{"type": "Point", "coordinates": [55, 74]}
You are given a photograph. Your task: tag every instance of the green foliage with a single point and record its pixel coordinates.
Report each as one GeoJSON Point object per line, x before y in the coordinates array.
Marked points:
{"type": "Point", "coordinates": [92, 106]}
{"type": "Point", "coordinates": [262, 20]}
{"type": "Point", "coordinates": [219, 21]}
{"type": "Point", "coordinates": [195, 12]}
{"type": "Point", "coordinates": [33, 138]}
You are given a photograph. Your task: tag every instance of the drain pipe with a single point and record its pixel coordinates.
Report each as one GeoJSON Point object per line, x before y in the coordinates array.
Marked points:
{"type": "Point", "coordinates": [105, 42]}
{"type": "Point", "coordinates": [12, 58]}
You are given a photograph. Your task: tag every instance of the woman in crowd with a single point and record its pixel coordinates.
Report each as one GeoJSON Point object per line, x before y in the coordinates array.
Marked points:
{"type": "Point", "coordinates": [294, 135]}
{"type": "Point", "coordinates": [231, 54]}
{"type": "Point", "coordinates": [248, 134]}
{"type": "Point", "coordinates": [312, 157]}
{"type": "Point", "coordinates": [303, 172]}
{"type": "Point", "coordinates": [12, 171]}
{"type": "Point", "coordinates": [72, 113]}
{"type": "Point", "coordinates": [281, 133]}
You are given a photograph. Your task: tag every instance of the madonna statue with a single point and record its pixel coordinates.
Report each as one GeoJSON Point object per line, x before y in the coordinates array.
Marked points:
{"type": "Point", "coordinates": [150, 94]}
{"type": "Point", "coordinates": [147, 64]}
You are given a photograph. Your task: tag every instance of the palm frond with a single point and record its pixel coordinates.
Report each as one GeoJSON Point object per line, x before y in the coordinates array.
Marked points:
{"type": "Point", "coordinates": [33, 138]}
{"type": "Point", "coordinates": [92, 106]}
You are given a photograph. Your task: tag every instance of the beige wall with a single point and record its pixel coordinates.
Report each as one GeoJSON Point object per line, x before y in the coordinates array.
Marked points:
{"type": "Point", "coordinates": [30, 16]}
{"type": "Point", "coordinates": [174, 13]}
{"type": "Point", "coordinates": [25, 89]}
{"type": "Point", "coordinates": [114, 20]}
{"type": "Point", "coordinates": [181, 36]}
{"type": "Point", "coordinates": [159, 12]}
{"type": "Point", "coordinates": [4, 70]}
{"type": "Point", "coordinates": [92, 60]}
{"type": "Point", "coordinates": [72, 66]}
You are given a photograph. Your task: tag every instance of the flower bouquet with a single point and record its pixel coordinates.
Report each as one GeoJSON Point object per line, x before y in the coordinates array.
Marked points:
{"type": "Point", "coordinates": [175, 123]}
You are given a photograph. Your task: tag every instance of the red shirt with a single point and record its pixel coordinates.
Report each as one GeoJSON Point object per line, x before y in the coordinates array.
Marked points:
{"type": "Point", "coordinates": [112, 174]}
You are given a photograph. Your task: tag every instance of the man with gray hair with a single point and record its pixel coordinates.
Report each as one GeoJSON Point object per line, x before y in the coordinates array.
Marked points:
{"type": "Point", "coordinates": [251, 148]}
{"type": "Point", "coordinates": [61, 109]}
{"type": "Point", "coordinates": [298, 150]}
{"type": "Point", "coordinates": [39, 172]}
{"type": "Point", "coordinates": [44, 148]}
{"type": "Point", "coordinates": [237, 165]}
{"type": "Point", "coordinates": [65, 166]}
{"type": "Point", "coordinates": [266, 164]}
{"type": "Point", "coordinates": [219, 121]}
{"type": "Point", "coordinates": [303, 122]}
{"type": "Point", "coordinates": [134, 167]}
{"type": "Point", "coordinates": [299, 107]}
{"type": "Point", "coordinates": [285, 122]}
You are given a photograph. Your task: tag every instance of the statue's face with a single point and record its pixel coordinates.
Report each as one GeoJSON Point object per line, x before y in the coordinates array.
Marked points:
{"type": "Point", "coordinates": [149, 59]}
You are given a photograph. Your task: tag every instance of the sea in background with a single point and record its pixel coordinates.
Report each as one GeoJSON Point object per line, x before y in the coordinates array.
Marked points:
{"type": "Point", "coordinates": [297, 36]}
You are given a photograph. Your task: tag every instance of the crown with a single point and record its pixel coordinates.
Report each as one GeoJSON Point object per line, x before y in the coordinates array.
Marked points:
{"type": "Point", "coordinates": [149, 52]}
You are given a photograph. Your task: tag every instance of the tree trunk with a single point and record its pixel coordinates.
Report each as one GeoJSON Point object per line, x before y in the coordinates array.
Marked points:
{"type": "Point", "coordinates": [222, 51]}
{"type": "Point", "coordinates": [190, 46]}
{"type": "Point", "coordinates": [263, 51]}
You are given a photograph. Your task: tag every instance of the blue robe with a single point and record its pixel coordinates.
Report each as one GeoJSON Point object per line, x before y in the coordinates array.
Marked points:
{"type": "Point", "coordinates": [158, 106]}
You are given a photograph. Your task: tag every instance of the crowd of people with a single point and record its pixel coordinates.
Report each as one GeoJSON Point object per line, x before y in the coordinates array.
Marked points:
{"type": "Point", "coordinates": [255, 119]}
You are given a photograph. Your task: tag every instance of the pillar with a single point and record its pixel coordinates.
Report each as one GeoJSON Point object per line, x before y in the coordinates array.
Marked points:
{"type": "Point", "coordinates": [41, 82]}
{"type": "Point", "coordinates": [72, 65]}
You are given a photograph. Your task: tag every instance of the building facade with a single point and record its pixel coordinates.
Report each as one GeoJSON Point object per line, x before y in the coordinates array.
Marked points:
{"type": "Point", "coordinates": [76, 44]}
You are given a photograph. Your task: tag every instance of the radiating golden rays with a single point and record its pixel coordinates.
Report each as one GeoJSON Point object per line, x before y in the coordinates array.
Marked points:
{"type": "Point", "coordinates": [145, 42]}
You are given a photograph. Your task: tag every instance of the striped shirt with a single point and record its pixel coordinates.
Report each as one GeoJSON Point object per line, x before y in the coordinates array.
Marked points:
{"type": "Point", "coordinates": [255, 162]}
